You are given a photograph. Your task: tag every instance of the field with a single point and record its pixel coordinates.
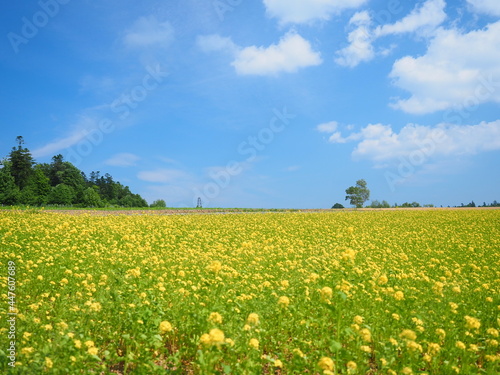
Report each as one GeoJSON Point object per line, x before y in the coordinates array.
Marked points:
{"type": "Point", "coordinates": [359, 292]}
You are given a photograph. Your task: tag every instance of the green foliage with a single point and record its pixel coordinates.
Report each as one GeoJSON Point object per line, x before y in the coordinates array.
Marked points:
{"type": "Point", "coordinates": [359, 194]}
{"type": "Point", "coordinates": [21, 164]}
{"type": "Point", "coordinates": [22, 181]}
{"type": "Point", "coordinates": [377, 204]}
{"type": "Point", "coordinates": [9, 192]}
{"type": "Point", "coordinates": [62, 194]}
{"type": "Point", "coordinates": [159, 203]}
{"type": "Point", "coordinates": [91, 197]}
{"type": "Point", "coordinates": [337, 206]}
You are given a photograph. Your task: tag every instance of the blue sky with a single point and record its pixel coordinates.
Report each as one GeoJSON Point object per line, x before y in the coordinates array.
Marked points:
{"type": "Point", "coordinates": [272, 103]}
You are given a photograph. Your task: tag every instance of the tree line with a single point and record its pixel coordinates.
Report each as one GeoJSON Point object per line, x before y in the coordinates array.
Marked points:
{"type": "Point", "coordinates": [25, 182]}
{"type": "Point", "coordinates": [357, 196]}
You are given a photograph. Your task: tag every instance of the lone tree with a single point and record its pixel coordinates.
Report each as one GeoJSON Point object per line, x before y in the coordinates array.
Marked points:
{"type": "Point", "coordinates": [358, 194]}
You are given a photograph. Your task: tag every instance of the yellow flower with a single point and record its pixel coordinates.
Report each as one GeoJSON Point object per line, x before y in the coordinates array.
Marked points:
{"type": "Point", "coordinates": [253, 343]}
{"type": "Point", "coordinates": [48, 327]}
{"type": "Point", "coordinates": [215, 266]}
{"type": "Point", "coordinates": [460, 345]}
{"type": "Point", "coordinates": [95, 306]}
{"type": "Point", "coordinates": [382, 280]}
{"type": "Point", "coordinates": [472, 323]}
{"type": "Point", "coordinates": [408, 334]}
{"type": "Point", "coordinates": [253, 318]}
{"type": "Point", "coordinates": [433, 348]}
{"type": "Point", "coordinates": [39, 277]}
{"type": "Point", "coordinates": [205, 339]}
{"type": "Point", "coordinates": [216, 336]}
{"type": "Point", "coordinates": [298, 352]}
{"type": "Point", "coordinates": [326, 293]}
{"type": "Point", "coordinates": [48, 362]}
{"type": "Point", "coordinates": [230, 342]}
{"type": "Point", "coordinates": [399, 295]}
{"type": "Point", "coordinates": [396, 316]}
{"type": "Point", "coordinates": [441, 333]}
{"type": "Point", "coordinates": [366, 335]}
{"type": "Point", "coordinates": [92, 351]}
{"type": "Point", "coordinates": [27, 351]}
{"type": "Point", "coordinates": [351, 366]}
{"type": "Point", "coordinates": [326, 364]}
{"type": "Point", "coordinates": [492, 331]}
{"type": "Point", "coordinates": [283, 301]}
{"type": "Point", "coordinates": [26, 335]}
{"type": "Point", "coordinates": [78, 344]}
{"type": "Point", "coordinates": [165, 327]}
{"type": "Point", "coordinates": [366, 348]}
{"type": "Point", "coordinates": [89, 344]}
{"type": "Point", "coordinates": [358, 319]}
{"type": "Point", "coordinates": [278, 363]}
{"type": "Point", "coordinates": [215, 318]}
{"type": "Point", "coordinates": [413, 346]}
{"type": "Point", "coordinates": [407, 371]}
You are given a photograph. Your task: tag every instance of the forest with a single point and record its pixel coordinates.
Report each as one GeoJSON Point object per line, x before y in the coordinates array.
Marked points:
{"type": "Point", "coordinates": [59, 183]}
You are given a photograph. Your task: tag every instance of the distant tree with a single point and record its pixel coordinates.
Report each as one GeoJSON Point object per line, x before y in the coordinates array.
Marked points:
{"type": "Point", "coordinates": [159, 203]}
{"type": "Point", "coordinates": [91, 198]}
{"type": "Point", "coordinates": [337, 206]}
{"type": "Point", "coordinates": [359, 194]}
{"type": "Point", "coordinates": [22, 162]}
{"type": "Point", "coordinates": [38, 189]}
{"type": "Point", "coordinates": [9, 191]}
{"type": "Point", "coordinates": [62, 194]}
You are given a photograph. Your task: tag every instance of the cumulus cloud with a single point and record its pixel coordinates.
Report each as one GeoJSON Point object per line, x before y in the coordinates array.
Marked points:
{"type": "Point", "coordinates": [291, 54]}
{"type": "Point", "coordinates": [457, 70]}
{"type": "Point", "coordinates": [382, 145]}
{"type": "Point", "coordinates": [423, 20]}
{"type": "Point", "coordinates": [147, 32]}
{"type": "Point", "coordinates": [490, 7]}
{"type": "Point", "coordinates": [303, 11]}
{"type": "Point", "coordinates": [360, 39]}
{"type": "Point", "coordinates": [123, 159]}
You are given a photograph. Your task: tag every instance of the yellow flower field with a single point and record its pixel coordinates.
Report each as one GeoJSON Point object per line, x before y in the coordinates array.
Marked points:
{"type": "Point", "coordinates": [377, 292]}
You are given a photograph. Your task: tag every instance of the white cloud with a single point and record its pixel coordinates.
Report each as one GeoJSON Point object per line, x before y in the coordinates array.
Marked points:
{"type": "Point", "coordinates": [303, 11]}
{"type": "Point", "coordinates": [457, 71]}
{"type": "Point", "coordinates": [327, 127]}
{"type": "Point", "coordinates": [382, 145]}
{"type": "Point", "coordinates": [123, 159]}
{"type": "Point", "coordinates": [490, 7]}
{"type": "Point", "coordinates": [360, 42]}
{"type": "Point", "coordinates": [86, 127]}
{"type": "Point", "coordinates": [163, 175]}
{"type": "Point", "coordinates": [147, 32]}
{"type": "Point", "coordinates": [422, 18]}
{"type": "Point", "coordinates": [290, 54]}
